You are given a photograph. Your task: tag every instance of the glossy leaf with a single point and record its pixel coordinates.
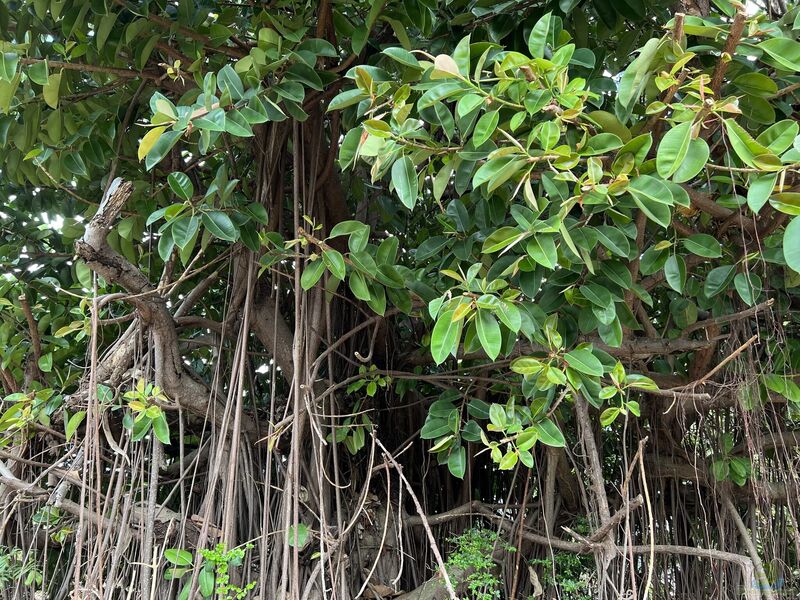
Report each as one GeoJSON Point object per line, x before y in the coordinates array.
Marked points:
{"type": "Point", "coordinates": [584, 361]}
{"type": "Point", "coordinates": [791, 244]}
{"type": "Point", "coordinates": [673, 149]}
{"type": "Point", "coordinates": [404, 179]}
{"type": "Point", "coordinates": [488, 333]}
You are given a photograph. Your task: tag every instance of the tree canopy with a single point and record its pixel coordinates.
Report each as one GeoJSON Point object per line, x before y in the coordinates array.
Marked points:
{"type": "Point", "coordinates": [295, 292]}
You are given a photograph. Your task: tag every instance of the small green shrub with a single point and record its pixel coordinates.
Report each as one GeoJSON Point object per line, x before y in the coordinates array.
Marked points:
{"type": "Point", "coordinates": [473, 552]}
{"type": "Point", "coordinates": [571, 574]}
{"type": "Point", "coordinates": [15, 566]}
{"type": "Point", "coordinates": [214, 578]}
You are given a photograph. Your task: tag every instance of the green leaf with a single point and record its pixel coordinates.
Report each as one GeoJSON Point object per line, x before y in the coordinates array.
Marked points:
{"type": "Point", "coordinates": [305, 75]}
{"type": "Point", "coordinates": [718, 280]}
{"type": "Point", "coordinates": [683, 311]}
{"type": "Point", "coordinates": [537, 40]}
{"type": "Point", "coordinates": [485, 127]}
{"type": "Point", "coordinates": [467, 103]}
{"type": "Point", "coordinates": [104, 29]}
{"type": "Point", "coordinates": [653, 197]}
{"type": "Point", "coordinates": [549, 132]}
{"type": "Point", "coordinates": [434, 428]}
{"type": "Point", "coordinates": [311, 274]}
{"type": "Point", "coordinates": [542, 249]}
{"type": "Point", "coordinates": [7, 91]}
{"type": "Point", "coordinates": [527, 365]}
{"type": "Point", "coordinates": [8, 66]}
{"type": "Point", "coordinates": [298, 535]}
{"type": "Point", "coordinates": [346, 98]}
{"type": "Point", "coordinates": [502, 239]}
{"type": "Point", "coordinates": [181, 185]}
{"type": "Point", "coordinates": [650, 189]}
{"type": "Point", "coordinates": [673, 149]}
{"type": "Point", "coordinates": [439, 93]}
{"type": "Point", "coordinates": [184, 229]}
{"type": "Point", "coordinates": [739, 469]}
{"type": "Point", "coordinates": [205, 581]}
{"type": "Point", "coordinates": [178, 557]}
{"type": "Point", "coordinates": [791, 244]}
{"type": "Point", "coordinates": [457, 462]}
{"type": "Point", "coordinates": [73, 423]}
{"type": "Point", "coordinates": [73, 163]}
{"type": "Point", "coordinates": [461, 55]}
{"type": "Point", "coordinates": [46, 362]}
{"type": "Point", "coordinates": [702, 244]}
{"type": "Point", "coordinates": [611, 333]}
{"type": "Point", "coordinates": [608, 416]}
{"type": "Point", "coordinates": [635, 78]}
{"type": "Point", "coordinates": [614, 240]}
{"type": "Point", "coordinates": [346, 228]}
{"type": "Point", "coordinates": [582, 359]}
{"type": "Point", "coordinates": [495, 170]}
{"type": "Point", "coordinates": [488, 333]}
{"type": "Point", "coordinates": [779, 136]}
{"type": "Point", "coordinates": [220, 225]}
{"type": "Point", "coordinates": [377, 128]}
{"type": "Point", "coordinates": [149, 140]}
{"type": "Point", "coordinates": [366, 264]}
{"type": "Point", "coordinates": [601, 143]}
{"type": "Point", "coordinates": [50, 90]}
{"type": "Point", "coordinates": [38, 72]}
{"type": "Point", "coordinates": [508, 461]}
{"type": "Point", "coordinates": [161, 428]}
{"type": "Point", "coordinates": [257, 212]}
{"type": "Point", "coordinates": [786, 202]}
{"type": "Point", "coordinates": [720, 469]}
{"type": "Point", "coordinates": [162, 145]}
{"type": "Point", "coordinates": [445, 336]}
{"type": "Point", "coordinates": [675, 272]}
{"type": "Point", "coordinates": [597, 295]}
{"type": "Point", "coordinates": [784, 51]}
{"type": "Point", "coordinates": [751, 153]}
{"type": "Point", "coordinates": [442, 444]}
{"type": "Point", "coordinates": [748, 286]}
{"type": "Point", "coordinates": [358, 286]}
{"type": "Point", "coordinates": [404, 57]}
{"type": "Point", "coordinates": [760, 189]}
{"type": "Point", "coordinates": [334, 260]}
{"type": "Point", "coordinates": [228, 79]}
{"type": "Point", "coordinates": [211, 121]}
{"type": "Point", "coordinates": [550, 434]}
{"type": "Point", "coordinates": [756, 84]}
{"type": "Point", "coordinates": [236, 124]}
{"type": "Point", "coordinates": [404, 179]}
{"type": "Point", "coordinates": [696, 158]}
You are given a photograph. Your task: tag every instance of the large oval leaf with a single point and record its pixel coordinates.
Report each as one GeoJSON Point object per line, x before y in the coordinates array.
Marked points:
{"type": "Point", "coordinates": [404, 180]}
{"type": "Point", "coordinates": [673, 149]}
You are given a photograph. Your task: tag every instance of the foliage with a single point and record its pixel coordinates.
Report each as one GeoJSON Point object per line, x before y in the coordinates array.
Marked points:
{"type": "Point", "coordinates": [466, 230]}
{"type": "Point", "coordinates": [214, 579]}
{"type": "Point", "coordinates": [146, 414]}
{"type": "Point", "coordinates": [472, 554]}
{"type": "Point", "coordinates": [571, 574]}
{"type": "Point", "coordinates": [19, 567]}
{"type": "Point", "coordinates": [21, 409]}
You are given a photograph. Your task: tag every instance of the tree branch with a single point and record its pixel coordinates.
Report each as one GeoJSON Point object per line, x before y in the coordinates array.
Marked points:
{"type": "Point", "coordinates": [734, 36]}
{"type": "Point", "coordinates": [93, 248]}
